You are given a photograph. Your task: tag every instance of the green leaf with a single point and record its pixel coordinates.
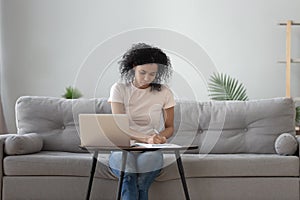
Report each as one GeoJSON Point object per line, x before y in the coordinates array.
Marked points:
{"type": "Point", "coordinates": [298, 114]}
{"type": "Point", "coordinates": [222, 87]}
{"type": "Point", "coordinates": [72, 93]}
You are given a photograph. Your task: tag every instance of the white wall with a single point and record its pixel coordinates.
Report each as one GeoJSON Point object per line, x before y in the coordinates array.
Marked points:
{"type": "Point", "coordinates": [46, 44]}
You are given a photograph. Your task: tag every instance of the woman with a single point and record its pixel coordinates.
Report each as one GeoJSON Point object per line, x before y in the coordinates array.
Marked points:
{"type": "Point", "coordinates": [146, 101]}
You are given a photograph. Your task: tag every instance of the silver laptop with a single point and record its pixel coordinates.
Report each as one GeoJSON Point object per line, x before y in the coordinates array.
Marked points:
{"type": "Point", "coordinates": [104, 130]}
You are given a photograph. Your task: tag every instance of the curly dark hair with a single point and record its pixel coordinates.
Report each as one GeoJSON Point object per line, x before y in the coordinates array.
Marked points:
{"type": "Point", "coordinates": [140, 54]}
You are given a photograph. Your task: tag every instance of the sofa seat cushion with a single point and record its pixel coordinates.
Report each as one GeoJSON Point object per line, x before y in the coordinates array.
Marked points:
{"type": "Point", "coordinates": [52, 163]}
{"type": "Point", "coordinates": [231, 165]}
{"type": "Point", "coordinates": [47, 163]}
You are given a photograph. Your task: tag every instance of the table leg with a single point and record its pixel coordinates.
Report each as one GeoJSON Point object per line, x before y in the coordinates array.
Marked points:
{"type": "Point", "coordinates": [124, 158]}
{"type": "Point", "coordinates": [181, 172]}
{"type": "Point", "coordinates": [94, 164]}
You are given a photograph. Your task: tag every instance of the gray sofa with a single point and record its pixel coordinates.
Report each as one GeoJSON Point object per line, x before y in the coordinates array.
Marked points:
{"type": "Point", "coordinates": [236, 158]}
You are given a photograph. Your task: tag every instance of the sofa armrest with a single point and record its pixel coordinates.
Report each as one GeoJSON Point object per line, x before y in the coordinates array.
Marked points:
{"type": "Point", "coordinates": [2, 141]}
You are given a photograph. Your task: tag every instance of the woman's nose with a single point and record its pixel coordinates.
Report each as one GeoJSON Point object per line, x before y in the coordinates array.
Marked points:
{"type": "Point", "coordinates": [147, 77]}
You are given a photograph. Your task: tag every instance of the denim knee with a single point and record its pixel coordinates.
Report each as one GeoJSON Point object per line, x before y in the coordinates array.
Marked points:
{"type": "Point", "coordinates": [149, 162]}
{"type": "Point", "coordinates": [115, 162]}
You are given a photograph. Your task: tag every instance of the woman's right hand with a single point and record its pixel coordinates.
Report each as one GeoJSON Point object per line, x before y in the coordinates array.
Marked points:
{"type": "Point", "coordinates": [156, 139]}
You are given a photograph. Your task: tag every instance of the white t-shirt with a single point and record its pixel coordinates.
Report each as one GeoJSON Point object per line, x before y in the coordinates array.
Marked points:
{"type": "Point", "coordinates": [143, 107]}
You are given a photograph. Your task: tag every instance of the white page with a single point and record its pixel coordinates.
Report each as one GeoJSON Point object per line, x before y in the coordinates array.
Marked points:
{"type": "Point", "coordinates": [165, 145]}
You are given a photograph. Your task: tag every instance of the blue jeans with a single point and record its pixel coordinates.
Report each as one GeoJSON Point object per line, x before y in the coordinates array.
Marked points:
{"type": "Point", "coordinates": [140, 171]}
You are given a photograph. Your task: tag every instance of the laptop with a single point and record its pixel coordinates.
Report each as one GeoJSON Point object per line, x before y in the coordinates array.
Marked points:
{"type": "Point", "coordinates": [104, 130]}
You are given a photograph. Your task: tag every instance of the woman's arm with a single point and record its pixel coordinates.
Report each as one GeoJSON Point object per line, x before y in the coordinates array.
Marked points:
{"type": "Point", "coordinates": [169, 123]}
{"type": "Point", "coordinates": [161, 137]}
{"type": "Point", "coordinates": [117, 108]}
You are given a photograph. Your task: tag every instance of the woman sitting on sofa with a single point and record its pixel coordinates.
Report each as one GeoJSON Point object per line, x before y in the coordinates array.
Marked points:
{"type": "Point", "coordinates": [144, 98]}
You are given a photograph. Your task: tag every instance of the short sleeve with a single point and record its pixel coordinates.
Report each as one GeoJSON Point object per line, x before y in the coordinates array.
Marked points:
{"type": "Point", "coordinates": [116, 94]}
{"type": "Point", "coordinates": [169, 100]}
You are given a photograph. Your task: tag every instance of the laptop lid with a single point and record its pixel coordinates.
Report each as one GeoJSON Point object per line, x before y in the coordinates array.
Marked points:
{"type": "Point", "coordinates": [104, 130]}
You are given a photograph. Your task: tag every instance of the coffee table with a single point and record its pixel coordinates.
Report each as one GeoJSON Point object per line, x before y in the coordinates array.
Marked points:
{"type": "Point", "coordinates": [125, 150]}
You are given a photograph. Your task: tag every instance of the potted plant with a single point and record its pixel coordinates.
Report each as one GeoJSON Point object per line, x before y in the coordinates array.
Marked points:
{"type": "Point", "coordinates": [298, 115]}
{"type": "Point", "coordinates": [222, 87]}
{"type": "Point", "coordinates": [72, 93]}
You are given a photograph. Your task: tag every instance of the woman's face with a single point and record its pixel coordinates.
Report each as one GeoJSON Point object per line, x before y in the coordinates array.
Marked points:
{"type": "Point", "coordinates": [144, 75]}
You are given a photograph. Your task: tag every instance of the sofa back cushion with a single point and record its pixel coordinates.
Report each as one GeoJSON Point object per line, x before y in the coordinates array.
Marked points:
{"type": "Point", "coordinates": [56, 119]}
{"type": "Point", "coordinates": [233, 126]}
{"type": "Point", "coordinates": [216, 126]}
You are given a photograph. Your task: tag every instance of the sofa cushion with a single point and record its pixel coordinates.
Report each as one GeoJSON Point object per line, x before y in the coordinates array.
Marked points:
{"type": "Point", "coordinates": [56, 119]}
{"type": "Point", "coordinates": [54, 163]}
{"type": "Point", "coordinates": [286, 144]}
{"type": "Point", "coordinates": [231, 165]}
{"type": "Point", "coordinates": [187, 115]}
{"type": "Point", "coordinates": [234, 126]}
{"type": "Point", "coordinates": [23, 144]}
{"type": "Point", "coordinates": [195, 165]}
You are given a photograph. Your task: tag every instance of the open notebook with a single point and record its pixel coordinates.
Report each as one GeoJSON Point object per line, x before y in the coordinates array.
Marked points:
{"type": "Point", "coordinates": [166, 145]}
